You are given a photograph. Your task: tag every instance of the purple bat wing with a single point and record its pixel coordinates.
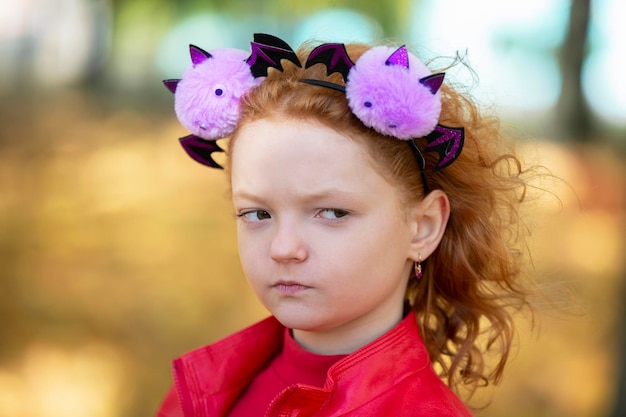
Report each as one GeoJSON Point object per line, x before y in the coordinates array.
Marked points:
{"type": "Point", "coordinates": [200, 150]}
{"type": "Point", "coordinates": [171, 84]}
{"type": "Point", "coordinates": [447, 142]}
{"type": "Point", "coordinates": [267, 51]}
{"type": "Point", "coordinates": [334, 56]}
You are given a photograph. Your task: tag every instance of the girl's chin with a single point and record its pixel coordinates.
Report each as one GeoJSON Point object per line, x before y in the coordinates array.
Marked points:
{"type": "Point", "coordinates": [298, 321]}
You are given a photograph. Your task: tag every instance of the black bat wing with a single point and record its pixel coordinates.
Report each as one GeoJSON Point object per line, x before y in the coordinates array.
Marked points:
{"type": "Point", "coordinates": [267, 51]}
{"type": "Point", "coordinates": [447, 142]}
{"type": "Point", "coordinates": [334, 56]}
{"type": "Point", "coordinates": [200, 150]}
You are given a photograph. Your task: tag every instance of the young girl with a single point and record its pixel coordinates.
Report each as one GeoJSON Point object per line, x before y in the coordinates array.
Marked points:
{"type": "Point", "coordinates": [377, 222]}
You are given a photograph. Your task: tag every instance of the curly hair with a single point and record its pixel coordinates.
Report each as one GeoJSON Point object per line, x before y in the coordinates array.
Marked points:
{"type": "Point", "coordinates": [472, 282]}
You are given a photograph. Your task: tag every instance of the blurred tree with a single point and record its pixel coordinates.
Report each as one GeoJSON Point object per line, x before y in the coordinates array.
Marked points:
{"type": "Point", "coordinates": [619, 409]}
{"type": "Point", "coordinates": [573, 114]}
{"type": "Point", "coordinates": [576, 124]}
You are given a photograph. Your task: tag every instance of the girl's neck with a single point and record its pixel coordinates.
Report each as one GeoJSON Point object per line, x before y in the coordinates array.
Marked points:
{"type": "Point", "coordinates": [347, 338]}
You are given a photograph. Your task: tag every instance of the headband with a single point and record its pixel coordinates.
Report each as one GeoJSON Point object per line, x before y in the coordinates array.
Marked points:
{"type": "Point", "coordinates": [390, 91]}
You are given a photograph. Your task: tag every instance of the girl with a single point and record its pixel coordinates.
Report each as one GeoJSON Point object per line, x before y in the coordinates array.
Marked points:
{"type": "Point", "coordinates": [377, 222]}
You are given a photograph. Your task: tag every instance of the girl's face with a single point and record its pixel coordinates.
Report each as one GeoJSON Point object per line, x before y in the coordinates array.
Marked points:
{"type": "Point", "coordinates": [323, 237]}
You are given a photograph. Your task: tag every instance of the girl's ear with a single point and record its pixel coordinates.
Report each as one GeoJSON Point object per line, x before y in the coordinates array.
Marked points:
{"type": "Point", "coordinates": [428, 219]}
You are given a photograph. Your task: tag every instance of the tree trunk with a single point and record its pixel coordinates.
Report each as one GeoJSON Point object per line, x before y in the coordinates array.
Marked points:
{"type": "Point", "coordinates": [572, 111]}
{"type": "Point", "coordinates": [619, 408]}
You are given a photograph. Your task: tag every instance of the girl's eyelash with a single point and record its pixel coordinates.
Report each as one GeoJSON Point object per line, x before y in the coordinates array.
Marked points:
{"type": "Point", "coordinates": [339, 214]}
{"type": "Point", "coordinates": [244, 214]}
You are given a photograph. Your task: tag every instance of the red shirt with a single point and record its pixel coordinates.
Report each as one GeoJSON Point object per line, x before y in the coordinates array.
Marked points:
{"type": "Point", "coordinates": [391, 376]}
{"type": "Point", "coordinates": [293, 365]}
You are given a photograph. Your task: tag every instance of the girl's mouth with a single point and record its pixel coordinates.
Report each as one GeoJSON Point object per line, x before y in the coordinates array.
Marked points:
{"type": "Point", "coordinates": [289, 287]}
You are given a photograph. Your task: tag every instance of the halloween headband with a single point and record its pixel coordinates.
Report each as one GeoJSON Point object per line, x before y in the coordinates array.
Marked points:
{"type": "Point", "coordinates": [390, 91]}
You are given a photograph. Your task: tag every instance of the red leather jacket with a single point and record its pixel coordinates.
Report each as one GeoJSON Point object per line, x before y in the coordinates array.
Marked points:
{"type": "Point", "coordinates": [391, 377]}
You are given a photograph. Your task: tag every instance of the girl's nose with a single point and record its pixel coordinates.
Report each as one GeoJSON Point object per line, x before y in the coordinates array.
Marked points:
{"type": "Point", "coordinates": [287, 245]}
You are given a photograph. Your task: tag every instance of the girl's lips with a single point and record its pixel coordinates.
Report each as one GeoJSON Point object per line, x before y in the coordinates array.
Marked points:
{"type": "Point", "coordinates": [289, 287]}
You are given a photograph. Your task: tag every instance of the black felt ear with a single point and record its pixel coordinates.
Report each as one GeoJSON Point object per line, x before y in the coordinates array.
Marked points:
{"type": "Point", "coordinates": [198, 55]}
{"type": "Point", "coordinates": [201, 150]}
{"type": "Point", "coordinates": [171, 84]}
{"type": "Point", "coordinates": [433, 82]}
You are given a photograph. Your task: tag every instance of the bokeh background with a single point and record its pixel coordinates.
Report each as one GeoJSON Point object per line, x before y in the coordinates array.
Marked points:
{"type": "Point", "coordinates": [117, 252]}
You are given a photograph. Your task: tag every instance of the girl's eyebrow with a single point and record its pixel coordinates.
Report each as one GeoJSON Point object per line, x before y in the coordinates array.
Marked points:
{"type": "Point", "coordinates": [244, 195]}
{"type": "Point", "coordinates": [330, 193]}
{"type": "Point", "coordinates": [305, 196]}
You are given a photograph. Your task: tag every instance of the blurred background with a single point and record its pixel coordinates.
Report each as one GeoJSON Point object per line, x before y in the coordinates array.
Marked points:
{"type": "Point", "coordinates": [118, 253]}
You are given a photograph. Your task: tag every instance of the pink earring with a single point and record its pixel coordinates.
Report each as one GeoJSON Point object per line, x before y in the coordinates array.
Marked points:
{"type": "Point", "coordinates": [418, 267]}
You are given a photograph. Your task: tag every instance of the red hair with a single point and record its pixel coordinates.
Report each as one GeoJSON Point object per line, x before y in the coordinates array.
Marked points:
{"type": "Point", "coordinates": [472, 280]}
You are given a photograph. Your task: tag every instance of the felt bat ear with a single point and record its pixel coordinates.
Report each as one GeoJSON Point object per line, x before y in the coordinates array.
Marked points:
{"type": "Point", "coordinates": [399, 57]}
{"type": "Point", "coordinates": [433, 82]}
{"type": "Point", "coordinates": [171, 84]}
{"type": "Point", "coordinates": [198, 55]}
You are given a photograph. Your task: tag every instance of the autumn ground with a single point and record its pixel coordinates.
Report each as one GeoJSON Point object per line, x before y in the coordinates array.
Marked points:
{"type": "Point", "coordinates": [117, 253]}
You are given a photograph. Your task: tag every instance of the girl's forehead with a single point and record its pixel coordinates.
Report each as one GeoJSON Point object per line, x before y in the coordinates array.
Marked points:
{"type": "Point", "coordinates": [277, 136]}
{"type": "Point", "coordinates": [286, 125]}
{"type": "Point", "coordinates": [290, 150]}
{"type": "Point", "coordinates": [307, 147]}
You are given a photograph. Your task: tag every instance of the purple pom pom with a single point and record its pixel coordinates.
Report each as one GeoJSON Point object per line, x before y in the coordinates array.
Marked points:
{"type": "Point", "coordinates": [389, 97]}
{"type": "Point", "coordinates": [207, 97]}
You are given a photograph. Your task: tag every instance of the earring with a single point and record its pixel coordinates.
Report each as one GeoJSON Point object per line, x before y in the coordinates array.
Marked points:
{"type": "Point", "coordinates": [418, 267]}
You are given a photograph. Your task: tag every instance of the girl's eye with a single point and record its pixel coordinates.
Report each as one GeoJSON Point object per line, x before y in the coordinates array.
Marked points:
{"type": "Point", "coordinates": [254, 215]}
{"type": "Point", "coordinates": [332, 214]}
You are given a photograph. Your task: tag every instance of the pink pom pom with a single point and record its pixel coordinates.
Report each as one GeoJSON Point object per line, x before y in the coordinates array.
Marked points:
{"type": "Point", "coordinates": [207, 96]}
{"type": "Point", "coordinates": [389, 97]}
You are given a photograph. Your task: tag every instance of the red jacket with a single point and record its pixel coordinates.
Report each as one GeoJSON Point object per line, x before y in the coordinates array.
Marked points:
{"type": "Point", "coordinates": [391, 377]}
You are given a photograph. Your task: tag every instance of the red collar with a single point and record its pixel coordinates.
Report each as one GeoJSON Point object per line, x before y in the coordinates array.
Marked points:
{"type": "Point", "coordinates": [297, 365]}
